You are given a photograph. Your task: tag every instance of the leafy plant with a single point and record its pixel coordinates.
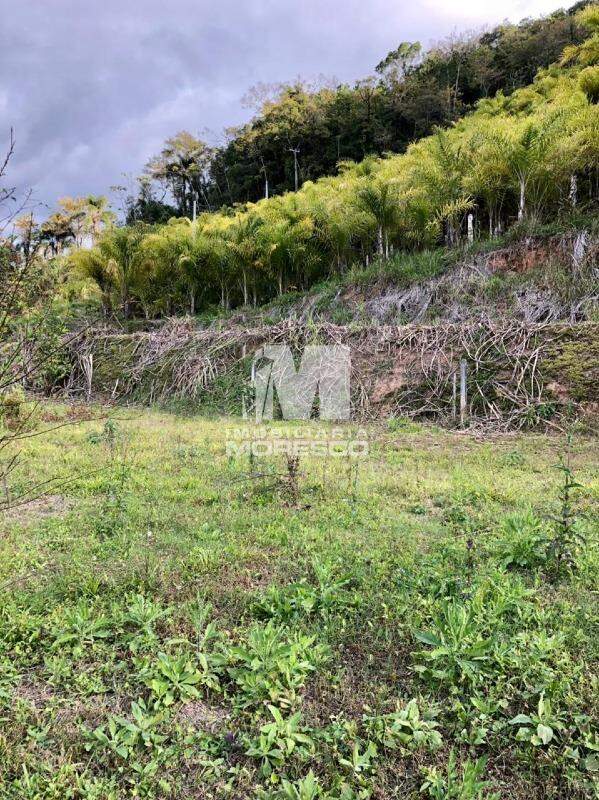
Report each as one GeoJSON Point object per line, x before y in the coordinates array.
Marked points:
{"type": "Point", "coordinates": [174, 678]}
{"type": "Point", "coordinates": [524, 541]}
{"type": "Point", "coordinates": [123, 737]}
{"type": "Point", "coordinates": [459, 652]}
{"type": "Point", "coordinates": [568, 538]}
{"type": "Point", "coordinates": [140, 619]}
{"type": "Point", "coordinates": [539, 729]}
{"type": "Point", "coordinates": [404, 729]}
{"type": "Point", "coordinates": [271, 666]}
{"type": "Point", "coordinates": [302, 598]}
{"type": "Point", "coordinates": [79, 628]}
{"type": "Point", "coordinates": [361, 758]}
{"type": "Point", "coordinates": [279, 739]}
{"type": "Point", "coordinates": [458, 784]}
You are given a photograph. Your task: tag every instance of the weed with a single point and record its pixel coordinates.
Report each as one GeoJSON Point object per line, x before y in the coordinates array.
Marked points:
{"type": "Point", "coordinates": [539, 728]}
{"type": "Point", "coordinates": [405, 729]}
{"type": "Point", "coordinates": [524, 541]}
{"type": "Point", "coordinates": [179, 678]}
{"type": "Point", "coordinates": [568, 538]}
{"type": "Point", "coordinates": [460, 653]}
{"type": "Point", "coordinates": [455, 784]}
{"type": "Point", "coordinates": [273, 667]}
{"type": "Point", "coordinates": [279, 739]}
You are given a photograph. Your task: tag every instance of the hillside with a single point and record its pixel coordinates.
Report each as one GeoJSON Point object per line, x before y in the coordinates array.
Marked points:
{"type": "Point", "coordinates": [490, 222]}
{"type": "Point", "coordinates": [387, 588]}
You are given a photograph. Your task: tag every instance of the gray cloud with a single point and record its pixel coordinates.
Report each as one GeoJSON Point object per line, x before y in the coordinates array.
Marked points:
{"type": "Point", "coordinates": [92, 89]}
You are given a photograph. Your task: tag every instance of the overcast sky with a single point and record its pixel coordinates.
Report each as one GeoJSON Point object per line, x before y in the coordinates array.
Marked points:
{"type": "Point", "coordinates": [93, 87]}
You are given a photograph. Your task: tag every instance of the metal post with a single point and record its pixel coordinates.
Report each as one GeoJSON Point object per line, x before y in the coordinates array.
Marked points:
{"type": "Point", "coordinates": [295, 151]}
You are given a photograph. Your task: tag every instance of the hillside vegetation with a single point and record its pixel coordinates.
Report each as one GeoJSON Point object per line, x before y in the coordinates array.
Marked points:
{"type": "Point", "coordinates": [290, 618]}
{"type": "Point", "coordinates": [520, 159]}
{"type": "Point", "coordinates": [532, 155]}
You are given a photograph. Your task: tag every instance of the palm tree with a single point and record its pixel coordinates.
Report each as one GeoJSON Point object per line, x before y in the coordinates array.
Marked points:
{"type": "Point", "coordinates": [379, 199]}
{"type": "Point", "coordinates": [115, 262]}
{"type": "Point", "coordinates": [244, 244]}
{"type": "Point", "coordinates": [286, 238]}
{"type": "Point", "coordinates": [98, 215]}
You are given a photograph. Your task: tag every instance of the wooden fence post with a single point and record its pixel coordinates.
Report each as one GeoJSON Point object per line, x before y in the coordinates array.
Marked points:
{"type": "Point", "coordinates": [463, 393]}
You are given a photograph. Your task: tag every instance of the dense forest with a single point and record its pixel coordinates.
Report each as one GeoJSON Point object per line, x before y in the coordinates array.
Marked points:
{"type": "Point", "coordinates": [527, 153]}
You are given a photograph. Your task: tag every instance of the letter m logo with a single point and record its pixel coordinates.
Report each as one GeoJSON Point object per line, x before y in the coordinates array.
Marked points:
{"type": "Point", "coordinates": [324, 369]}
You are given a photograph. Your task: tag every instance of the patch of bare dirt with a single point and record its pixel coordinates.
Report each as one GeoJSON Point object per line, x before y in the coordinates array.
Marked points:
{"type": "Point", "coordinates": [35, 692]}
{"type": "Point", "coordinates": [203, 716]}
{"type": "Point", "coordinates": [76, 412]}
{"type": "Point", "coordinates": [47, 506]}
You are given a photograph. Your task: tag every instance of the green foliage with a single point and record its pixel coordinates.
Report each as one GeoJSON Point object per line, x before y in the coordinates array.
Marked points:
{"type": "Point", "coordinates": [508, 163]}
{"type": "Point", "coordinates": [589, 83]}
{"type": "Point", "coordinates": [568, 538]}
{"type": "Point", "coordinates": [302, 599]}
{"type": "Point", "coordinates": [133, 665]}
{"type": "Point", "coordinates": [279, 740]}
{"type": "Point", "coordinates": [405, 728]}
{"type": "Point", "coordinates": [540, 728]}
{"type": "Point", "coordinates": [460, 652]}
{"type": "Point", "coordinates": [46, 361]}
{"type": "Point", "coordinates": [524, 541]}
{"type": "Point", "coordinates": [270, 666]}
{"type": "Point", "coordinates": [12, 406]}
{"type": "Point", "coordinates": [123, 738]}
{"type": "Point", "coordinates": [79, 628]}
{"type": "Point", "coordinates": [465, 784]}
{"type": "Point", "coordinates": [180, 677]}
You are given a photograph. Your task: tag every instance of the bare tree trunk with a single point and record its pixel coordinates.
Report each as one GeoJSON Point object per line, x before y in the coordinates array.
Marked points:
{"type": "Point", "coordinates": [522, 206]}
{"type": "Point", "coordinates": [379, 240]}
{"type": "Point", "coordinates": [573, 194]}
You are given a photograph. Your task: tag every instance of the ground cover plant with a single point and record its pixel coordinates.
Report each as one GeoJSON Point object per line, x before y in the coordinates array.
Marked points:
{"type": "Point", "coordinates": [179, 622]}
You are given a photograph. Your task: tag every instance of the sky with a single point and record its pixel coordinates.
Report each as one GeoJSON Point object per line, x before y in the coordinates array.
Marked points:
{"type": "Point", "coordinates": [92, 88]}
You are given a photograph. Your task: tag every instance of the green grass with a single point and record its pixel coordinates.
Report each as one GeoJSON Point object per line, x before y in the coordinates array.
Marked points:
{"type": "Point", "coordinates": [175, 622]}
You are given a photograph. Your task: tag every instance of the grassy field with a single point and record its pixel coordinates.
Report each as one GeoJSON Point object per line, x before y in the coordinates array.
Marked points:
{"type": "Point", "coordinates": [179, 623]}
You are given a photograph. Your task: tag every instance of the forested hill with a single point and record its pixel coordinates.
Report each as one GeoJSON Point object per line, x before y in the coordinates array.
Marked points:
{"type": "Point", "coordinates": [409, 93]}
{"type": "Point", "coordinates": [488, 225]}
{"type": "Point", "coordinates": [518, 163]}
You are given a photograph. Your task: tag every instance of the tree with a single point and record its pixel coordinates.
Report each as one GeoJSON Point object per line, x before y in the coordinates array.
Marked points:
{"type": "Point", "coordinates": [115, 263]}
{"type": "Point", "coordinates": [98, 215]}
{"type": "Point", "coordinates": [246, 251]}
{"type": "Point", "coordinates": [397, 62]}
{"type": "Point", "coordinates": [183, 164]}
